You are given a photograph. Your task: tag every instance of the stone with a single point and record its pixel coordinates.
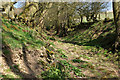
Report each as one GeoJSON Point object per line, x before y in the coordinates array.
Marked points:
{"type": "Point", "coordinates": [41, 55]}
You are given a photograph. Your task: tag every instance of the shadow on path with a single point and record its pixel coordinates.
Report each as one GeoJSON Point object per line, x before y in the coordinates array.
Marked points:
{"type": "Point", "coordinates": [105, 42]}
{"type": "Point", "coordinates": [11, 64]}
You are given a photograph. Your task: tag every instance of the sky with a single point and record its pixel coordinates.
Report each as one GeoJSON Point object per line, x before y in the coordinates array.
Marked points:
{"type": "Point", "coordinates": [21, 3]}
{"type": "Point", "coordinates": [110, 6]}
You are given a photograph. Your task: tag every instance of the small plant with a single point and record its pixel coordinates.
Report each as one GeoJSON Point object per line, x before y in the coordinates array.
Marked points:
{"type": "Point", "coordinates": [77, 60]}
{"type": "Point", "coordinates": [84, 56]}
{"type": "Point", "coordinates": [51, 43]}
{"type": "Point", "coordinates": [55, 73]}
{"type": "Point", "coordinates": [64, 56]}
{"type": "Point", "coordinates": [59, 50]}
{"type": "Point", "coordinates": [52, 38]}
{"type": "Point", "coordinates": [6, 51]}
{"type": "Point", "coordinates": [49, 51]}
{"type": "Point", "coordinates": [8, 77]}
{"type": "Point", "coordinates": [98, 54]}
{"type": "Point", "coordinates": [8, 70]}
{"type": "Point", "coordinates": [16, 66]}
{"type": "Point", "coordinates": [41, 62]}
{"type": "Point", "coordinates": [84, 65]}
{"type": "Point", "coordinates": [76, 70]}
{"type": "Point", "coordinates": [87, 47]}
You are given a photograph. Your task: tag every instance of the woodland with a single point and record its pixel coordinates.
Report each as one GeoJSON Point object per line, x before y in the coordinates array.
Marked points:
{"type": "Point", "coordinates": [59, 41]}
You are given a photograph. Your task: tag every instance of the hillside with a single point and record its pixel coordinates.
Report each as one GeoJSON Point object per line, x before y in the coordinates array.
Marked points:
{"type": "Point", "coordinates": [83, 53]}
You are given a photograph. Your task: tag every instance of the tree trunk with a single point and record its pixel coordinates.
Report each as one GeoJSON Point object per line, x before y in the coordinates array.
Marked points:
{"type": "Point", "coordinates": [116, 12]}
{"type": "Point", "coordinates": [99, 16]}
{"type": "Point", "coordinates": [68, 21]}
{"type": "Point", "coordinates": [57, 27]}
{"type": "Point", "coordinates": [81, 19]}
{"type": "Point", "coordinates": [105, 14]}
{"type": "Point", "coordinates": [57, 23]}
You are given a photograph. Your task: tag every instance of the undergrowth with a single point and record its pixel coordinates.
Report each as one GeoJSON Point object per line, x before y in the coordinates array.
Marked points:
{"type": "Point", "coordinates": [98, 34]}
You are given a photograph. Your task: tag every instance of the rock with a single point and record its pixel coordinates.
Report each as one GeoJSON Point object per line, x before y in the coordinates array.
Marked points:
{"type": "Point", "coordinates": [42, 62]}
{"type": "Point", "coordinates": [51, 45]}
{"type": "Point", "coordinates": [48, 60]}
{"type": "Point", "coordinates": [53, 56]}
{"type": "Point", "coordinates": [71, 53]}
{"type": "Point", "coordinates": [41, 55]}
{"type": "Point", "coordinates": [52, 61]}
{"type": "Point", "coordinates": [43, 48]}
{"type": "Point", "coordinates": [77, 55]}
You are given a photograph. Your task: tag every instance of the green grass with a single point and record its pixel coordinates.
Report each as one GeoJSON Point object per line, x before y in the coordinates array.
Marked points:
{"type": "Point", "coordinates": [70, 67]}
{"type": "Point", "coordinates": [14, 38]}
{"type": "Point", "coordinates": [57, 72]}
{"type": "Point", "coordinates": [62, 53]}
{"type": "Point", "coordinates": [84, 65]}
{"type": "Point", "coordinates": [59, 50]}
{"type": "Point", "coordinates": [78, 61]}
{"type": "Point", "coordinates": [8, 70]}
{"type": "Point", "coordinates": [98, 34]}
{"type": "Point", "coordinates": [8, 77]}
{"type": "Point", "coordinates": [51, 43]}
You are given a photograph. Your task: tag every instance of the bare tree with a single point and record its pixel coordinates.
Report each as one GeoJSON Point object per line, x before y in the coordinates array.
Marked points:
{"type": "Point", "coordinates": [90, 9]}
